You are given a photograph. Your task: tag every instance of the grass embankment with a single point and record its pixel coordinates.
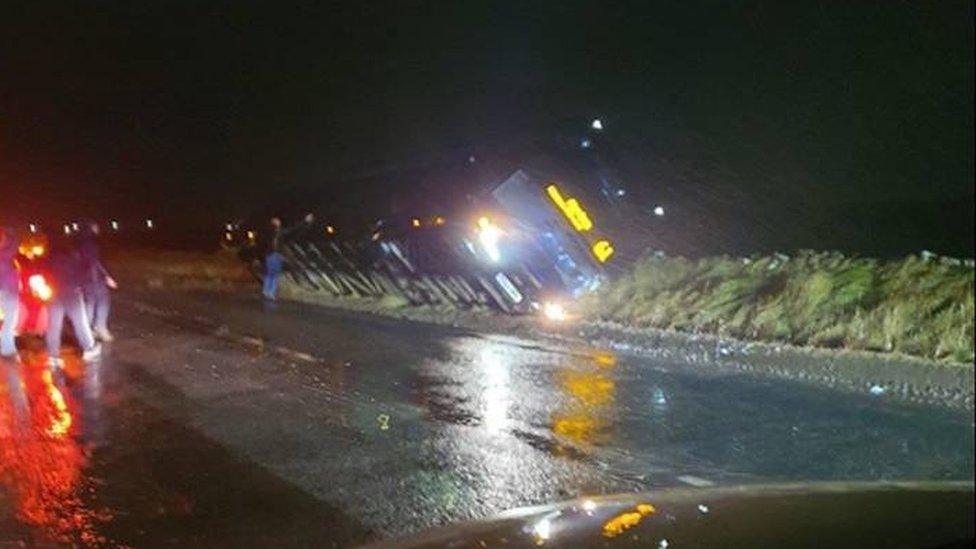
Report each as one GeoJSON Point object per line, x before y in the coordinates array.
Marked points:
{"type": "Point", "coordinates": [183, 270]}
{"type": "Point", "coordinates": [921, 306]}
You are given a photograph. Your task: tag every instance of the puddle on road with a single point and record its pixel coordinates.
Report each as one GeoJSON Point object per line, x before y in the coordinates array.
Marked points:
{"type": "Point", "coordinates": [636, 418]}
{"type": "Point", "coordinates": [84, 463]}
{"type": "Point", "coordinates": [559, 403]}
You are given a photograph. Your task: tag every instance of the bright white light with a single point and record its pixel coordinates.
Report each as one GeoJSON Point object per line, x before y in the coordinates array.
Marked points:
{"type": "Point", "coordinates": [585, 144]}
{"type": "Point", "coordinates": [542, 529]}
{"type": "Point", "coordinates": [597, 124]}
{"type": "Point", "coordinates": [149, 223]}
{"type": "Point", "coordinates": [659, 211]}
{"type": "Point", "coordinates": [74, 227]}
{"type": "Point", "coordinates": [621, 192]}
{"type": "Point", "coordinates": [488, 236]}
{"type": "Point", "coordinates": [554, 311]}
{"type": "Point", "coordinates": [39, 287]}
{"type": "Point", "coordinates": [497, 393]}
{"type": "Point", "coordinates": [67, 229]}
{"type": "Point", "coordinates": [589, 506]}
{"type": "Point", "coordinates": [114, 224]}
{"type": "Point", "coordinates": [33, 228]}
{"type": "Point", "coordinates": [229, 226]}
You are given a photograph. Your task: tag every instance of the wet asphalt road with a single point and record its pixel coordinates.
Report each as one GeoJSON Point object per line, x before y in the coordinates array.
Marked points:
{"type": "Point", "coordinates": [214, 420]}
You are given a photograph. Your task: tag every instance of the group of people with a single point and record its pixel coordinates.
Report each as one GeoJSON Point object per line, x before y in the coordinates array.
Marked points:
{"type": "Point", "coordinates": [81, 285]}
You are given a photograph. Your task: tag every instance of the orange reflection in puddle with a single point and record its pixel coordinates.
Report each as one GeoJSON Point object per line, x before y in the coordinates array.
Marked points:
{"type": "Point", "coordinates": [591, 390]}
{"type": "Point", "coordinates": [60, 416]}
{"type": "Point", "coordinates": [41, 459]}
{"type": "Point", "coordinates": [605, 359]}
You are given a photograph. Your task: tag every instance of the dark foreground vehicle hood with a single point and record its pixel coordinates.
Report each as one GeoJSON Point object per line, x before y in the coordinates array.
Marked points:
{"type": "Point", "coordinates": [924, 514]}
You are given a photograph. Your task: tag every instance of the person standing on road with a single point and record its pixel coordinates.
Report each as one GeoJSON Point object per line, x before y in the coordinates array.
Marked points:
{"type": "Point", "coordinates": [9, 292]}
{"type": "Point", "coordinates": [274, 261]}
{"type": "Point", "coordinates": [69, 276]}
{"type": "Point", "coordinates": [98, 282]}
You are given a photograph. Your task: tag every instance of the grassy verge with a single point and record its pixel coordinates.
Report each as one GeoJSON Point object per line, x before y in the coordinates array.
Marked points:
{"type": "Point", "coordinates": [920, 306]}
{"type": "Point", "coordinates": [182, 270]}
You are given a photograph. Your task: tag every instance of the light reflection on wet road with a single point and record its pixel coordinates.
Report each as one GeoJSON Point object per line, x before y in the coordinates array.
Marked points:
{"type": "Point", "coordinates": [187, 433]}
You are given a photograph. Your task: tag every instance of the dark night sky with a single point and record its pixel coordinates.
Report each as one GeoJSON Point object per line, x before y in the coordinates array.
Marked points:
{"type": "Point", "coordinates": [159, 107]}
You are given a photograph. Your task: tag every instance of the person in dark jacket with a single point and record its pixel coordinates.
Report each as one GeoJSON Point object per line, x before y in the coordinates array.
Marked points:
{"type": "Point", "coordinates": [98, 282]}
{"type": "Point", "coordinates": [9, 292]}
{"type": "Point", "coordinates": [274, 262]}
{"type": "Point", "coordinates": [69, 275]}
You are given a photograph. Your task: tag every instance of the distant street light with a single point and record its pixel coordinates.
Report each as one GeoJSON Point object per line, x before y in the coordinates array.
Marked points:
{"type": "Point", "coordinates": [149, 223]}
{"type": "Point", "coordinates": [114, 224]}
{"type": "Point", "coordinates": [32, 227]}
{"type": "Point", "coordinates": [597, 124]}
{"type": "Point", "coordinates": [659, 211]}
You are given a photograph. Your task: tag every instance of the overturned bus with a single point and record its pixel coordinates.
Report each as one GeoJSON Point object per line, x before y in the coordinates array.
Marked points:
{"type": "Point", "coordinates": [527, 245]}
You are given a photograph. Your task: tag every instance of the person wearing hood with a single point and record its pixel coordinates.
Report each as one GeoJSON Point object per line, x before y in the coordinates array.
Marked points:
{"type": "Point", "coordinates": [69, 273]}
{"type": "Point", "coordinates": [9, 292]}
{"type": "Point", "coordinates": [98, 282]}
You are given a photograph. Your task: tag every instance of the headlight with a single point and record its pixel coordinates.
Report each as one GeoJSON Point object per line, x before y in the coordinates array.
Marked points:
{"type": "Point", "coordinates": [554, 311]}
{"type": "Point", "coordinates": [488, 236]}
{"type": "Point", "coordinates": [39, 287]}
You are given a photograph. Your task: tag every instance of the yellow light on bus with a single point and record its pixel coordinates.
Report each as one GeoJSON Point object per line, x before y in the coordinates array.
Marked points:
{"type": "Point", "coordinates": [602, 250]}
{"type": "Point", "coordinates": [415, 222]}
{"type": "Point", "coordinates": [571, 208]}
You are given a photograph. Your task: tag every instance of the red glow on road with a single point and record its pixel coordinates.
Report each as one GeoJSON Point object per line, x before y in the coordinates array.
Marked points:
{"type": "Point", "coordinates": [41, 460]}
